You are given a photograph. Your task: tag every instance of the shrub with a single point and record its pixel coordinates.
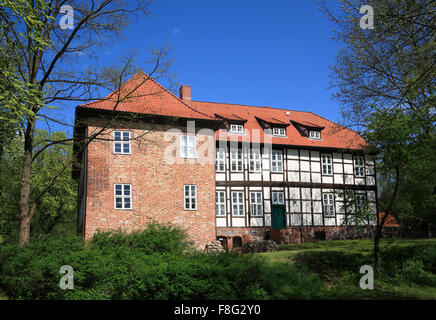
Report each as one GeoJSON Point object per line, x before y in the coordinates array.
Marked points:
{"type": "Point", "coordinates": [332, 264]}
{"type": "Point", "coordinates": [410, 264]}
{"type": "Point", "coordinates": [155, 238]}
{"type": "Point", "coordinates": [152, 264]}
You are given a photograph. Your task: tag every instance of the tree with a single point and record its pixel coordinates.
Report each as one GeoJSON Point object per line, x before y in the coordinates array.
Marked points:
{"type": "Point", "coordinates": [45, 70]}
{"type": "Point", "coordinates": [57, 210]}
{"type": "Point", "coordinates": [384, 79]}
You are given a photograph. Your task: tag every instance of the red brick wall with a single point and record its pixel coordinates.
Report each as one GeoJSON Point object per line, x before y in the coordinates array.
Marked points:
{"type": "Point", "coordinates": [157, 187]}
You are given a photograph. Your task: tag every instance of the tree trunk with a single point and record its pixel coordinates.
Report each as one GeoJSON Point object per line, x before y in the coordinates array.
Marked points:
{"type": "Point", "coordinates": [25, 213]}
{"type": "Point", "coordinates": [377, 236]}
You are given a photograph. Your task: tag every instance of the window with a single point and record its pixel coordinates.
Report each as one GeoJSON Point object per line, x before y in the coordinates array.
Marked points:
{"type": "Point", "coordinates": [360, 201]}
{"type": "Point", "coordinates": [328, 204]}
{"type": "Point", "coordinates": [220, 160]}
{"type": "Point", "coordinates": [123, 196]}
{"type": "Point", "coordinates": [188, 147]}
{"type": "Point", "coordinates": [190, 197]}
{"type": "Point", "coordinates": [220, 203]}
{"type": "Point", "coordinates": [278, 198]}
{"type": "Point", "coordinates": [122, 142]}
{"type": "Point", "coordinates": [276, 161]}
{"type": "Point", "coordinates": [236, 128]}
{"type": "Point", "coordinates": [238, 203]}
{"type": "Point", "coordinates": [255, 160]}
{"type": "Point", "coordinates": [236, 160]}
{"type": "Point", "coordinates": [315, 134]}
{"type": "Point", "coordinates": [326, 162]}
{"type": "Point", "coordinates": [256, 206]}
{"type": "Point", "coordinates": [359, 166]}
{"type": "Point", "coordinates": [279, 132]}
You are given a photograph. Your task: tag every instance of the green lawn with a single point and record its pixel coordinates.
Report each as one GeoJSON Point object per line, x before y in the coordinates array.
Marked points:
{"type": "Point", "coordinates": [337, 264]}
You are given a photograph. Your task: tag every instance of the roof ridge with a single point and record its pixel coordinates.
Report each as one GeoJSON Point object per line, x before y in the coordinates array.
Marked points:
{"type": "Point", "coordinates": [188, 106]}
{"type": "Point", "coordinates": [246, 105]}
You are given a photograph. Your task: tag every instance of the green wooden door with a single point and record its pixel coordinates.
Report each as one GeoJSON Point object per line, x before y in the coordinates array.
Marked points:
{"type": "Point", "coordinates": [278, 217]}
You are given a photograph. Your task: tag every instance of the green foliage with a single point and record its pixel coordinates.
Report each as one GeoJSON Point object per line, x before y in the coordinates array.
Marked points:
{"type": "Point", "coordinates": [156, 238]}
{"type": "Point", "coordinates": [56, 212]}
{"type": "Point", "coordinates": [152, 264]}
{"type": "Point", "coordinates": [411, 264]}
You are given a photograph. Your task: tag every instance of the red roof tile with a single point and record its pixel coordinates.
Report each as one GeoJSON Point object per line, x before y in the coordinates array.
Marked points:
{"type": "Point", "coordinates": [333, 135]}
{"type": "Point", "coordinates": [146, 96]}
{"type": "Point", "coordinates": [141, 94]}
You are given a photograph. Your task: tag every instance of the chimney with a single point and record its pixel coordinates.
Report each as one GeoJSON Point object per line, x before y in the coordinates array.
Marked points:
{"type": "Point", "coordinates": [185, 93]}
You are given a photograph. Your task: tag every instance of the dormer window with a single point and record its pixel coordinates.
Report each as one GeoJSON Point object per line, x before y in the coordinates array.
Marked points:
{"type": "Point", "coordinates": [280, 132]}
{"type": "Point", "coordinates": [236, 128]}
{"type": "Point", "coordinates": [314, 134]}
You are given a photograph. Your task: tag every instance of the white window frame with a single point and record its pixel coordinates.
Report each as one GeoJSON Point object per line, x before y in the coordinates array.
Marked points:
{"type": "Point", "coordinates": [328, 204]}
{"type": "Point", "coordinates": [122, 142]}
{"type": "Point", "coordinates": [188, 147]}
{"type": "Point", "coordinates": [276, 199]}
{"type": "Point", "coordinates": [220, 160]}
{"type": "Point", "coordinates": [279, 132]}
{"type": "Point", "coordinates": [359, 166]}
{"type": "Point", "coordinates": [277, 161]}
{"type": "Point", "coordinates": [220, 206]}
{"type": "Point", "coordinates": [123, 196]}
{"type": "Point", "coordinates": [315, 134]}
{"type": "Point", "coordinates": [255, 163]}
{"type": "Point", "coordinates": [256, 204]}
{"type": "Point", "coordinates": [237, 128]}
{"type": "Point", "coordinates": [238, 206]}
{"type": "Point", "coordinates": [187, 199]}
{"type": "Point", "coordinates": [238, 160]}
{"type": "Point", "coordinates": [326, 164]}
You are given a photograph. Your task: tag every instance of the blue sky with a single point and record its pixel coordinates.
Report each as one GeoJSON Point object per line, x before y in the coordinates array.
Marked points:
{"type": "Point", "coordinates": [265, 53]}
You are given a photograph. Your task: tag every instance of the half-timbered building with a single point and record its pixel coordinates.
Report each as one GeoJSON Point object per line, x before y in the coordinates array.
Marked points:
{"type": "Point", "coordinates": [270, 173]}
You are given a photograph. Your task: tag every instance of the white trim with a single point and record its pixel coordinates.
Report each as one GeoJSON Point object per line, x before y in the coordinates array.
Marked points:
{"type": "Point", "coordinates": [220, 159]}
{"type": "Point", "coordinates": [219, 203]}
{"type": "Point", "coordinates": [257, 161]}
{"type": "Point", "coordinates": [236, 128]}
{"type": "Point", "coordinates": [240, 203]}
{"type": "Point", "coordinates": [123, 196]}
{"type": "Point", "coordinates": [190, 196]}
{"type": "Point", "coordinates": [278, 199]}
{"type": "Point", "coordinates": [189, 144]}
{"type": "Point", "coordinates": [327, 164]}
{"type": "Point", "coordinates": [238, 160]}
{"type": "Point", "coordinates": [277, 161]}
{"type": "Point", "coordinates": [255, 205]}
{"type": "Point", "coordinates": [359, 166]}
{"type": "Point", "coordinates": [279, 132]}
{"type": "Point", "coordinates": [121, 142]}
{"type": "Point", "coordinates": [315, 134]}
{"type": "Point", "coordinates": [328, 205]}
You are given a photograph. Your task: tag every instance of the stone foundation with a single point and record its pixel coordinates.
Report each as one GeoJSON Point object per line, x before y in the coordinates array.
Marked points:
{"type": "Point", "coordinates": [291, 234]}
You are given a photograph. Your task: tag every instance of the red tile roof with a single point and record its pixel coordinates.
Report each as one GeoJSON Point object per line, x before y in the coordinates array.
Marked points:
{"type": "Point", "coordinates": [141, 94]}
{"type": "Point", "coordinates": [332, 136]}
{"type": "Point", "coordinates": [146, 96]}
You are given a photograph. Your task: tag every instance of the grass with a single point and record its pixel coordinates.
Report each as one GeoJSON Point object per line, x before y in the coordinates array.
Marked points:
{"type": "Point", "coordinates": [338, 262]}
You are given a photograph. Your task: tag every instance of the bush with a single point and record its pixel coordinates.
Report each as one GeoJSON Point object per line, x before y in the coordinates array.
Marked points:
{"type": "Point", "coordinates": [332, 264]}
{"type": "Point", "coordinates": [156, 238]}
{"type": "Point", "coordinates": [151, 264]}
{"type": "Point", "coordinates": [410, 264]}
